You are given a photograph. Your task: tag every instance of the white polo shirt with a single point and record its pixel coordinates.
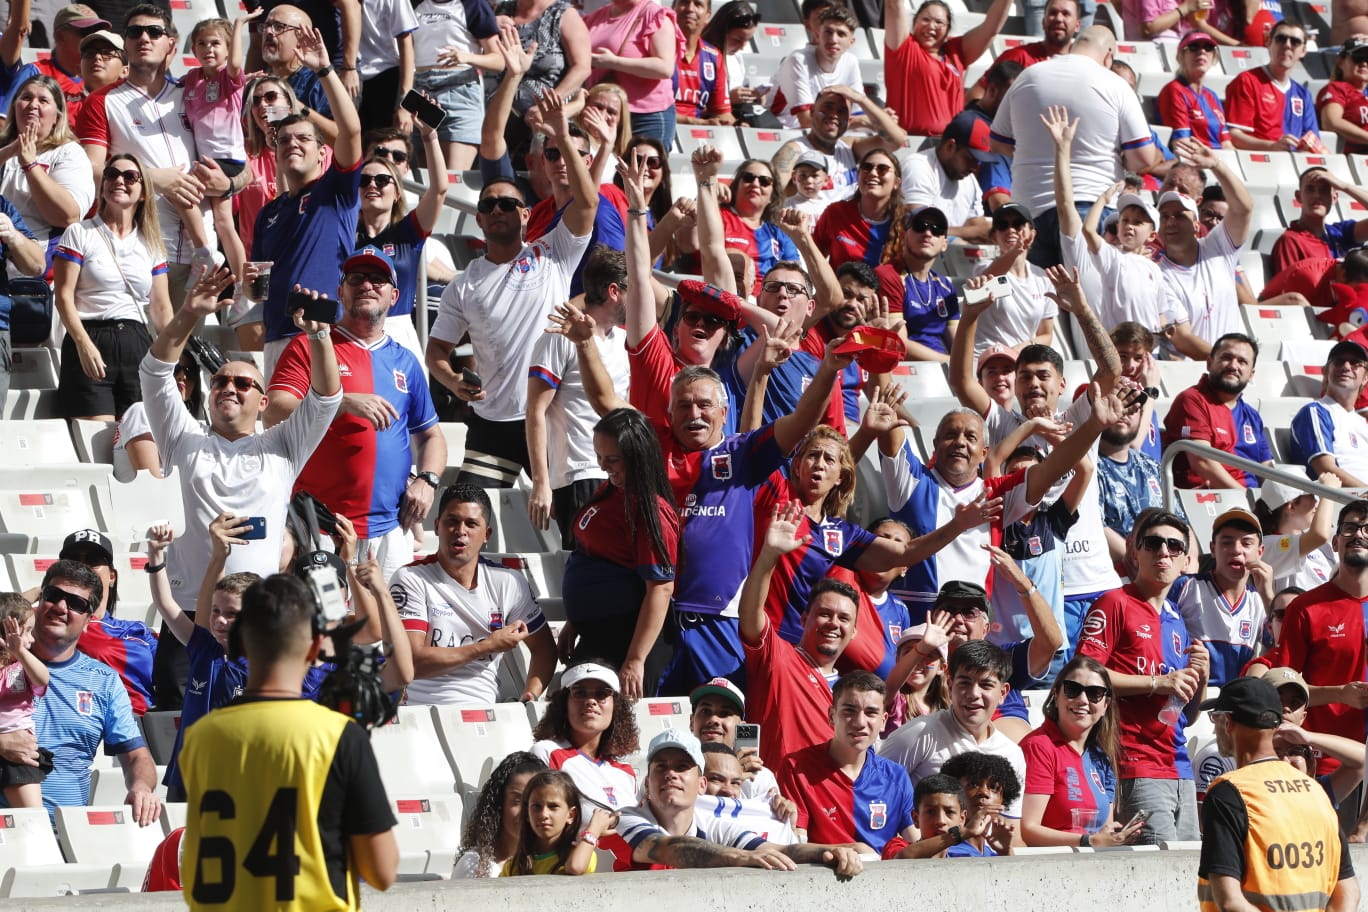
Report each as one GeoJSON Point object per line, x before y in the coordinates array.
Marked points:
{"type": "Point", "coordinates": [925, 183]}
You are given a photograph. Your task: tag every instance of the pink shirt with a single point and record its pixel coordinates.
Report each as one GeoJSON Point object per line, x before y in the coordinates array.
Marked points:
{"type": "Point", "coordinates": [16, 698]}
{"type": "Point", "coordinates": [213, 105]}
{"type": "Point", "coordinates": [629, 35]}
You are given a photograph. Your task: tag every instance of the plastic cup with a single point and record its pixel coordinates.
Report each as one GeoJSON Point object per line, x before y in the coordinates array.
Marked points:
{"type": "Point", "coordinates": [1086, 820]}
{"type": "Point", "coordinates": [261, 285]}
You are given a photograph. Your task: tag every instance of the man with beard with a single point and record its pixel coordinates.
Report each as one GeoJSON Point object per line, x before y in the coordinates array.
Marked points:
{"type": "Point", "coordinates": [1059, 24]}
{"type": "Point", "coordinates": [944, 176]}
{"type": "Point", "coordinates": [1328, 435]}
{"type": "Point", "coordinates": [830, 120]}
{"type": "Point", "coordinates": [1214, 412]}
{"type": "Point", "coordinates": [1128, 480]}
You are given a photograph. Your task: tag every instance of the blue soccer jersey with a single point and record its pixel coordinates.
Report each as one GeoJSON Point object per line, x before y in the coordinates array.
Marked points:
{"type": "Point", "coordinates": [872, 809]}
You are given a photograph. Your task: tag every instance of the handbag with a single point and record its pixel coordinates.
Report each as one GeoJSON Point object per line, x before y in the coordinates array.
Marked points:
{"type": "Point", "coordinates": [30, 310]}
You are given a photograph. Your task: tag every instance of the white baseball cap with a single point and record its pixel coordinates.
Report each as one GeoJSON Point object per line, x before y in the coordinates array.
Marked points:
{"type": "Point", "coordinates": [591, 671]}
{"type": "Point", "coordinates": [678, 739]}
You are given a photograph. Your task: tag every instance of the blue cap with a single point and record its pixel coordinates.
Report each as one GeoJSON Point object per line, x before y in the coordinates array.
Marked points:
{"type": "Point", "coordinates": [371, 256]}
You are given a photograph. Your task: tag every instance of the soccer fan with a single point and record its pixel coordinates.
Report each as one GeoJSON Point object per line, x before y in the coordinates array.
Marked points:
{"type": "Point", "coordinates": [944, 176]}
{"type": "Point", "coordinates": [1188, 108]}
{"type": "Point", "coordinates": [718, 707]}
{"type": "Point", "coordinates": [1059, 27]}
{"type": "Point", "coordinates": [464, 614]}
{"type": "Point", "coordinates": [825, 62]}
{"type": "Point", "coordinates": [1157, 674]}
{"type": "Point", "coordinates": [1269, 111]}
{"type": "Point", "coordinates": [857, 229]}
{"type": "Point", "coordinates": [1329, 435]}
{"type": "Point", "coordinates": [1027, 312]}
{"type": "Point", "coordinates": [1128, 480]}
{"type": "Point", "coordinates": [385, 424]}
{"type": "Point", "coordinates": [825, 136]}
{"type": "Point", "coordinates": [70, 27]}
{"type": "Point", "coordinates": [929, 307]}
{"type": "Point", "coordinates": [1214, 412]}
{"type": "Point", "coordinates": [1310, 235]}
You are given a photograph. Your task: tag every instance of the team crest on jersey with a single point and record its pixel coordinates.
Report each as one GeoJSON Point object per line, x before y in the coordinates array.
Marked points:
{"type": "Point", "coordinates": [722, 467]}
{"type": "Point", "coordinates": [1033, 544]}
{"type": "Point", "coordinates": [709, 71]}
{"type": "Point", "coordinates": [85, 702]}
{"type": "Point", "coordinates": [1154, 487]}
{"type": "Point", "coordinates": [833, 540]}
{"type": "Point", "coordinates": [1246, 628]}
{"type": "Point", "coordinates": [523, 264]}
{"type": "Point", "coordinates": [588, 514]}
{"type": "Point", "coordinates": [1297, 105]}
{"type": "Point", "coordinates": [1249, 434]}
{"type": "Point", "coordinates": [1177, 642]}
{"type": "Point", "coordinates": [894, 632]}
{"type": "Point", "coordinates": [608, 793]}
{"type": "Point", "coordinates": [400, 381]}
{"type": "Point", "coordinates": [878, 815]}
{"type": "Point", "coordinates": [941, 309]}
{"type": "Point", "coordinates": [389, 250]}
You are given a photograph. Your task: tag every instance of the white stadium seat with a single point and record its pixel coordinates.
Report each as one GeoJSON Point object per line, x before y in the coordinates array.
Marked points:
{"type": "Point", "coordinates": [476, 738]}
{"type": "Point", "coordinates": [411, 756]}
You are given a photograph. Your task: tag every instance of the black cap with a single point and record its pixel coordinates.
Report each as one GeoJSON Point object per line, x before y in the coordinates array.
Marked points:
{"type": "Point", "coordinates": [962, 591]}
{"type": "Point", "coordinates": [1250, 701]}
{"type": "Point", "coordinates": [1012, 208]}
{"type": "Point", "coordinates": [1347, 351]}
{"type": "Point", "coordinates": [77, 542]}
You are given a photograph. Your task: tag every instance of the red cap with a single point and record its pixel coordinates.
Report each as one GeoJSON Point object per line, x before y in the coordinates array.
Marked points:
{"type": "Point", "coordinates": [877, 350]}
{"type": "Point", "coordinates": [710, 299]}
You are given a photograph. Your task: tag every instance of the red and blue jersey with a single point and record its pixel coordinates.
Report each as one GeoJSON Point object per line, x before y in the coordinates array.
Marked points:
{"type": "Point", "coordinates": [873, 809]}
{"type": "Point", "coordinates": [1250, 440]}
{"type": "Point", "coordinates": [403, 243]}
{"type": "Point", "coordinates": [1260, 107]}
{"type": "Point", "coordinates": [1193, 113]}
{"type": "Point", "coordinates": [309, 235]}
{"type": "Point", "coordinates": [786, 384]}
{"type": "Point", "coordinates": [715, 490]}
{"type": "Point", "coordinates": [607, 573]}
{"type": "Point", "coordinates": [832, 542]}
{"type": "Point", "coordinates": [1071, 781]}
{"type": "Point", "coordinates": [609, 229]}
{"type": "Point", "coordinates": [358, 470]}
{"type": "Point", "coordinates": [128, 647]}
{"type": "Point", "coordinates": [1196, 414]}
{"type": "Point", "coordinates": [852, 377]}
{"type": "Point", "coordinates": [701, 89]}
{"type": "Point", "coordinates": [1126, 634]}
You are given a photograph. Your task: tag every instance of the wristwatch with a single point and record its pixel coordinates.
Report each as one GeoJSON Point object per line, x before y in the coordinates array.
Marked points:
{"type": "Point", "coordinates": [431, 478]}
{"type": "Point", "coordinates": [956, 834]}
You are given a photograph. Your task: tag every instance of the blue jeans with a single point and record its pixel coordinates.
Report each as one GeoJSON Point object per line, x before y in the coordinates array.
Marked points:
{"type": "Point", "coordinates": [660, 124]}
{"type": "Point", "coordinates": [1045, 250]}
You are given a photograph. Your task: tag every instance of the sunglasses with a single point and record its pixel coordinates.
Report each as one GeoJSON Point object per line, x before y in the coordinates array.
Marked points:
{"type": "Point", "coordinates": [793, 289]}
{"type": "Point", "coordinates": [269, 98]}
{"type": "Point", "coordinates": [502, 203]}
{"type": "Point", "coordinates": [750, 177]}
{"type": "Point", "coordinates": [1359, 58]}
{"type": "Point", "coordinates": [1009, 224]}
{"type": "Point", "coordinates": [744, 21]}
{"type": "Point", "coordinates": [880, 169]}
{"type": "Point", "coordinates": [598, 695]}
{"type": "Point", "coordinates": [651, 161]}
{"type": "Point", "coordinates": [134, 32]}
{"type": "Point", "coordinates": [1289, 40]}
{"type": "Point", "coordinates": [708, 321]}
{"type": "Point", "coordinates": [356, 279]}
{"type": "Point", "coordinates": [129, 177]}
{"type": "Point", "coordinates": [381, 181]}
{"type": "Point", "coordinates": [180, 370]}
{"type": "Point", "coordinates": [398, 156]}
{"type": "Point", "coordinates": [1072, 690]}
{"type": "Point", "coordinates": [553, 155]}
{"type": "Point", "coordinates": [241, 384]}
{"type": "Point", "coordinates": [925, 226]}
{"type": "Point", "coordinates": [1202, 47]}
{"type": "Point", "coordinates": [963, 609]}
{"type": "Point", "coordinates": [101, 54]}
{"type": "Point", "coordinates": [1155, 542]}
{"type": "Point", "coordinates": [77, 603]}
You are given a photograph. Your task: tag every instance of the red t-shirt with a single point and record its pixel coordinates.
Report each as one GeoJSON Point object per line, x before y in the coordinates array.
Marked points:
{"type": "Point", "coordinates": [1323, 638]}
{"type": "Point", "coordinates": [1073, 781]}
{"type": "Point", "coordinates": [602, 531]}
{"type": "Point", "coordinates": [1355, 110]}
{"type": "Point", "coordinates": [842, 233]}
{"type": "Point", "coordinates": [1024, 54]}
{"type": "Point", "coordinates": [925, 90]}
{"type": "Point", "coordinates": [1256, 33]}
{"type": "Point", "coordinates": [787, 695]}
{"type": "Point", "coordinates": [73, 86]}
{"type": "Point", "coordinates": [1196, 415]}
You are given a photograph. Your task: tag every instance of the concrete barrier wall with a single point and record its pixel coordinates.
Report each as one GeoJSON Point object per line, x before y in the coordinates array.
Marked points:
{"type": "Point", "coordinates": [1110, 881]}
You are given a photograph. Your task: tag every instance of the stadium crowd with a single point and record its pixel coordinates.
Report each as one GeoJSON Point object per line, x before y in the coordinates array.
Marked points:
{"type": "Point", "coordinates": [708, 397]}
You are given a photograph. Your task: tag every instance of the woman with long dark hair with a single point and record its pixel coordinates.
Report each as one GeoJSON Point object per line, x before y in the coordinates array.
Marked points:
{"type": "Point", "coordinates": [620, 577]}
{"type": "Point", "coordinates": [857, 228]}
{"type": "Point", "coordinates": [587, 731]}
{"type": "Point", "coordinates": [490, 836]}
{"type": "Point", "coordinates": [1071, 763]}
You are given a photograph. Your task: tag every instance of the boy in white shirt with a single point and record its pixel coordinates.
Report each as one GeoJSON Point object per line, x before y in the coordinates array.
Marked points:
{"type": "Point", "coordinates": [807, 71]}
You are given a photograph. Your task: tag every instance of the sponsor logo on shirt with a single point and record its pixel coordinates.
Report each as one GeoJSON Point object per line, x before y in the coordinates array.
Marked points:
{"type": "Point", "coordinates": [400, 596]}
{"type": "Point", "coordinates": [1336, 631]}
{"type": "Point", "coordinates": [1143, 632]}
{"type": "Point", "coordinates": [1095, 625]}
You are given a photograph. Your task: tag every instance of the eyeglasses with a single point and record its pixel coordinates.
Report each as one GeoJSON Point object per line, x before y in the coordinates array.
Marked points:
{"type": "Point", "coordinates": [357, 279]}
{"type": "Point", "coordinates": [793, 289]}
{"type": "Point", "coordinates": [750, 177]}
{"type": "Point", "coordinates": [1072, 690]}
{"type": "Point", "coordinates": [77, 603]}
{"type": "Point", "coordinates": [268, 98]}
{"type": "Point", "coordinates": [398, 156]}
{"type": "Point", "coordinates": [134, 32]}
{"type": "Point", "coordinates": [1289, 40]}
{"type": "Point", "coordinates": [598, 695]}
{"type": "Point", "coordinates": [275, 28]}
{"type": "Point", "coordinates": [925, 226]}
{"type": "Point", "coordinates": [381, 181]}
{"type": "Point", "coordinates": [502, 203]}
{"type": "Point", "coordinates": [300, 137]}
{"type": "Point", "coordinates": [130, 176]}
{"type": "Point", "coordinates": [101, 54]}
{"type": "Point", "coordinates": [1353, 529]}
{"type": "Point", "coordinates": [1155, 542]}
{"type": "Point", "coordinates": [708, 321]}
{"type": "Point", "coordinates": [553, 155]}
{"type": "Point", "coordinates": [241, 384]}
{"type": "Point", "coordinates": [881, 169]}
{"type": "Point", "coordinates": [1297, 750]}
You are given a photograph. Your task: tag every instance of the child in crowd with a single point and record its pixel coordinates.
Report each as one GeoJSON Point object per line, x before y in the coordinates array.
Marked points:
{"type": "Point", "coordinates": [916, 685]}
{"type": "Point", "coordinates": [989, 784]}
{"type": "Point", "coordinates": [549, 840]}
{"type": "Point", "coordinates": [213, 106]}
{"type": "Point", "coordinates": [809, 179]}
{"type": "Point", "coordinates": [490, 837]}
{"type": "Point", "coordinates": [825, 63]}
{"type": "Point", "coordinates": [942, 816]}
{"type": "Point", "coordinates": [23, 679]}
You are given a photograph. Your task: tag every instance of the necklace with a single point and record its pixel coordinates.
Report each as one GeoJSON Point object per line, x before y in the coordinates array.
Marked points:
{"type": "Point", "coordinates": [925, 297]}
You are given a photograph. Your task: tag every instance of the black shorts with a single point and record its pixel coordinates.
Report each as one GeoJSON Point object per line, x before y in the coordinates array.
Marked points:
{"type": "Point", "coordinates": [495, 452]}
{"type": "Point", "coordinates": [22, 773]}
{"type": "Point", "coordinates": [122, 344]}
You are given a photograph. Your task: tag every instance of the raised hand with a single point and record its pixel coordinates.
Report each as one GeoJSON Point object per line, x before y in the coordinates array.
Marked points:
{"type": "Point", "coordinates": [311, 51]}
{"type": "Point", "coordinates": [794, 223]}
{"type": "Point", "coordinates": [203, 297]}
{"type": "Point", "coordinates": [159, 539]}
{"type": "Point", "coordinates": [1068, 293]}
{"type": "Point", "coordinates": [551, 109]}
{"type": "Point", "coordinates": [782, 535]}
{"type": "Point", "coordinates": [571, 322]}
{"type": "Point", "coordinates": [309, 326]}
{"type": "Point", "coordinates": [14, 637]}
{"type": "Point", "coordinates": [938, 624]}
{"type": "Point", "coordinates": [706, 161]}
{"type": "Point", "coordinates": [596, 125]}
{"type": "Point", "coordinates": [882, 414]}
{"type": "Point", "coordinates": [1061, 129]}
{"type": "Point", "coordinates": [633, 177]}
{"type": "Point", "coordinates": [517, 59]}
{"type": "Point", "coordinates": [977, 512]}
{"type": "Point", "coordinates": [883, 316]}
{"type": "Point", "coordinates": [1196, 153]}
{"type": "Point", "coordinates": [1004, 562]}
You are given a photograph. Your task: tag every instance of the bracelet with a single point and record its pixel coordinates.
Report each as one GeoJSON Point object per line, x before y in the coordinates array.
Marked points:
{"type": "Point", "coordinates": [589, 837]}
{"type": "Point", "coordinates": [706, 183]}
{"type": "Point", "coordinates": [323, 73]}
{"type": "Point", "coordinates": [1084, 841]}
{"type": "Point", "coordinates": [638, 211]}
{"type": "Point", "coordinates": [318, 336]}
{"type": "Point", "coordinates": [34, 164]}
{"type": "Point", "coordinates": [1026, 593]}
{"type": "Point", "coordinates": [155, 568]}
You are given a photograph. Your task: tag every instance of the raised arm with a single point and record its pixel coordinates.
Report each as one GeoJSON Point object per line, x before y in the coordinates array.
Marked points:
{"type": "Point", "coordinates": [780, 539]}
{"type": "Point", "coordinates": [578, 327]}
{"type": "Point", "coordinates": [500, 105]}
{"type": "Point", "coordinates": [579, 215]}
{"type": "Point", "coordinates": [314, 55]}
{"type": "Point", "coordinates": [977, 39]}
{"type": "Point", "coordinates": [17, 27]}
{"type": "Point", "coordinates": [324, 378]}
{"type": "Point", "coordinates": [177, 621]}
{"type": "Point", "coordinates": [712, 247]}
{"type": "Point", "coordinates": [398, 671]}
{"type": "Point", "coordinates": [34, 669]}
{"type": "Point", "coordinates": [1241, 204]}
{"type": "Point", "coordinates": [1107, 408]}
{"type": "Point", "coordinates": [200, 301]}
{"type": "Point", "coordinates": [429, 206]}
{"type": "Point", "coordinates": [963, 381]}
{"type": "Point", "coordinates": [897, 24]}
{"type": "Point", "coordinates": [790, 430]}
{"type": "Point", "coordinates": [1046, 637]}
{"type": "Point", "coordinates": [1068, 294]}
{"type": "Point", "coordinates": [826, 289]}
{"type": "Point", "coordinates": [1062, 130]}
{"type": "Point", "coordinates": [236, 51]}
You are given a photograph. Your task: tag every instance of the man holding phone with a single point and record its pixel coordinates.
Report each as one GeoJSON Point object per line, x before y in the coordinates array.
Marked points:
{"type": "Point", "coordinates": [386, 422]}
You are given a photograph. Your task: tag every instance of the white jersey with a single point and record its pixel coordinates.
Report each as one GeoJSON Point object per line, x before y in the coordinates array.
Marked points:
{"type": "Point", "coordinates": [504, 307]}
{"type": "Point", "coordinates": [1325, 427]}
{"type": "Point", "coordinates": [1014, 321]}
{"type": "Point", "coordinates": [385, 22]}
{"type": "Point", "coordinates": [447, 614]}
{"type": "Point", "coordinates": [602, 783]}
{"type": "Point", "coordinates": [1088, 566]}
{"type": "Point", "coordinates": [115, 275]}
{"type": "Point", "coordinates": [1232, 631]}
{"type": "Point", "coordinates": [68, 167]}
{"type": "Point", "coordinates": [250, 476]}
{"type": "Point", "coordinates": [570, 418]}
{"type": "Point", "coordinates": [1203, 295]}
{"type": "Point", "coordinates": [1209, 765]}
{"type": "Point", "coordinates": [753, 814]}
{"type": "Point", "coordinates": [923, 745]}
{"type": "Point", "coordinates": [801, 79]}
{"type": "Point", "coordinates": [925, 183]}
{"type": "Point", "coordinates": [1290, 568]}
{"type": "Point", "coordinates": [1126, 286]}
{"type": "Point", "coordinates": [638, 823]}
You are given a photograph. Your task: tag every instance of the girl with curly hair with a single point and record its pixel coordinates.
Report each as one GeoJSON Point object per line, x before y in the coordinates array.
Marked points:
{"type": "Point", "coordinates": [587, 731]}
{"type": "Point", "coordinates": [490, 837]}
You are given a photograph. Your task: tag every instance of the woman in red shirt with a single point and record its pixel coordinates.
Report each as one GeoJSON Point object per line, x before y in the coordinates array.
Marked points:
{"type": "Point", "coordinates": [1341, 105]}
{"type": "Point", "coordinates": [857, 228]}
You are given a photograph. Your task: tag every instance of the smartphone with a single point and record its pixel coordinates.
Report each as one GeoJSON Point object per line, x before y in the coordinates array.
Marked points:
{"type": "Point", "coordinates": [747, 735]}
{"type": "Point", "coordinates": [428, 112]}
{"type": "Point", "coordinates": [256, 528]}
{"type": "Point", "coordinates": [997, 288]}
{"type": "Point", "coordinates": [468, 376]}
{"type": "Point", "coordinates": [320, 310]}
{"type": "Point", "coordinates": [1140, 817]}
